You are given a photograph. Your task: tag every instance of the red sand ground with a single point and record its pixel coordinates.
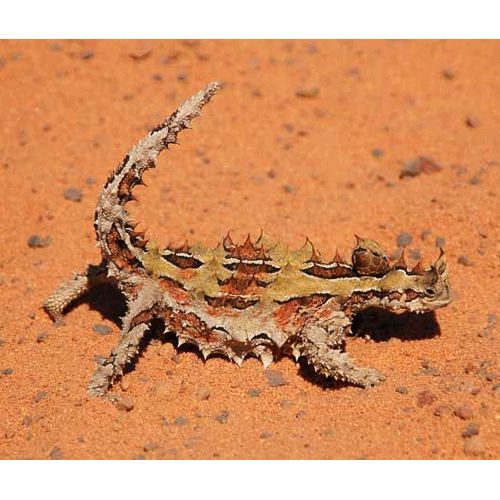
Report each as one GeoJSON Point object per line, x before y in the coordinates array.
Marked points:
{"type": "Point", "coordinates": [261, 157]}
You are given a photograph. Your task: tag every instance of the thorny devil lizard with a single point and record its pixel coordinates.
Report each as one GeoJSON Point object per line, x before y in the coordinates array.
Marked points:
{"type": "Point", "coordinates": [257, 299]}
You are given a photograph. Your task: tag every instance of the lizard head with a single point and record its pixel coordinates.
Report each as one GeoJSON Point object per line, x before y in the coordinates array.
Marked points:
{"type": "Point", "coordinates": [419, 290]}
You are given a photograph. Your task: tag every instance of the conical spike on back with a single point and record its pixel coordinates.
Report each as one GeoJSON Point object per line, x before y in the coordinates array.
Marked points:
{"type": "Point", "coordinates": [227, 242]}
{"type": "Point", "coordinates": [418, 269]}
{"type": "Point", "coordinates": [440, 264]}
{"type": "Point", "coordinates": [338, 258]}
{"type": "Point", "coordinates": [401, 262]}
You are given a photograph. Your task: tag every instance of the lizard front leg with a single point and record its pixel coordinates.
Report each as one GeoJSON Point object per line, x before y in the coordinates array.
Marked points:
{"type": "Point", "coordinates": [142, 310]}
{"type": "Point", "coordinates": [321, 345]}
{"type": "Point", "coordinates": [107, 373]}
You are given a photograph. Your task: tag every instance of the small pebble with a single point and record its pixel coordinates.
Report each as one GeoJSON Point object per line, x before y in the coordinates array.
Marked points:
{"type": "Point", "coordinates": [275, 378]}
{"type": "Point", "coordinates": [39, 396]}
{"type": "Point", "coordinates": [425, 234]}
{"type": "Point", "coordinates": [27, 421]}
{"type": "Point", "coordinates": [422, 164]}
{"type": "Point", "coordinates": [87, 54]}
{"type": "Point", "coordinates": [449, 74]}
{"type": "Point", "coordinates": [300, 414]}
{"type": "Point", "coordinates": [285, 404]}
{"type": "Point", "coordinates": [472, 121]}
{"type": "Point", "coordinates": [7, 371]}
{"type": "Point", "coordinates": [56, 454]}
{"type": "Point", "coordinates": [182, 77]}
{"type": "Point", "coordinates": [475, 180]}
{"type": "Point", "coordinates": [150, 447]}
{"type": "Point", "coordinates": [266, 435]}
{"type": "Point", "coordinates": [73, 194]}
{"type": "Point", "coordinates": [440, 242]}
{"type": "Point", "coordinates": [36, 241]}
{"type": "Point", "coordinates": [464, 260]}
{"type": "Point", "coordinates": [377, 153]}
{"type": "Point", "coordinates": [492, 318]}
{"type": "Point", "coordinates": [222, 418]}
{"type": "Point", "coordinates": [287, 188]}
{"type": "Point", "coordinates": [102, 329]}
{"type": "Point", "coordinates": [124, 403]}
{"type": "Point", "coordinates": [42, 337]}
{"type": "Point", "coordinates": [311, 91]}
{"type": "Point", "coordinates": [404, 239]}
{"type": "Point", "coordinates": [157, 77]}
{"type": "Point", "coordinates": [181, 421]}
{"type": "Point", "coordinates": [254, 393]}
{"type": "Point", "coordinates": [402, 390]}
{"type": "Point", "coordinates": [471, 430]}
{"type": "Point", "coordinates": [90, 181]}
{"type": "Point", "coordinates": [465, 412]}
{"type": "Point", "coordinates": [55, 47]}
{"type": "Point", "coordinates": [203, 393]}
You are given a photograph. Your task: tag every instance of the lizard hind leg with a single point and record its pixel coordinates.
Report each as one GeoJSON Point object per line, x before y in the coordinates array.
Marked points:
{"type": "Point", "coordinates": [71, 290]}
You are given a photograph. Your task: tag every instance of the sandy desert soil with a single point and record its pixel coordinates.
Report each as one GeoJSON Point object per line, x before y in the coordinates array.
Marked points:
{"type": "Point", "coordinates": [306, 139]}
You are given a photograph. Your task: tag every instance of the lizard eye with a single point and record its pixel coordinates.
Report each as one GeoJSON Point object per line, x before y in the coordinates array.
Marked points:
{"type": "Point", "coordinates": [430, 291]}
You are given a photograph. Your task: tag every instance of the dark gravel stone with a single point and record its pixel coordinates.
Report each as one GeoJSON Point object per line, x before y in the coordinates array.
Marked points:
{"type": "Point", "coordinates": [90, 181]}
{"type": "Point", "coordinates": [7, 371]}
{"type": "Point", "coordinates": [449, 73]}
{"type": "Point", "coordinates": [275, 378]}
{"type": "Point", "coordinates": [222, 418]}
{"type": "Point", "coordinates": [440, 242]}
{"type": "Point", "coordinates": [311, 91]}
{"type": "Point", "coordinates": [181, 421]}
{"type": "Point", "coordinates": [402, 390]}
{"type": "Point", "coordinates": [490, 377]}
{"type": "Point", "coordinates": [285, 404]}
{"type": "Point", "coordinates": [404, 239]}
{"type": "Point", "coordinates": [415, 254]}
{"type": "Point", "coordinates": [157, 77]}
{"type": "Point", "coordinates": [475, 180]}
{"type": "Point", "coordinates": [139, 457]}
{"type": "Point", "coordinates": [39, 396]}
{"type": "Point", "coordinates": [287, 188]}
{"type": "Point", "coordinates": [463, 260]}
{"type": "Point", "coordinates": [56, 454]}
{"type": "Point", "coordinates": [377, 153]}
{"type": "Point", "coordinates": [300, 414]}
{"type": "Point", "coordinates": [73, 194]}
{"type": "Point", "coordinates": [266, 435]}
{"type": "Point", "coordinates": [472, 121]}
{"type": "Point", "coordinates": [102, 329]}
{"type": "Point", "coordinates": [471, 430]}
{"type": "Point", "coordinates": [150, 447]}
{"type": "Point", "coordinates": [88, 54]}
{"type": "Point", "coordinates": [42, 337]}
{"type": "Point", "coordinates": [255, 393]}
{"type": "Point", "coordinates": [2, 342]}
{"type": "Point", "coordinates": [420, 165]}
{"type": "Point", "coordinates": [182, 77]}
{"type": "Point", "coordinates": [36, 241]}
